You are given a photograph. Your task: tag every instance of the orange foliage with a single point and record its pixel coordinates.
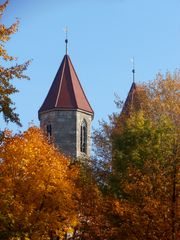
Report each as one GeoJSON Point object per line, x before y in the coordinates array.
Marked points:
{"type": "Point", "coordinates": [8, 73]}
{"type": "Point", "coordinates": [37, 188]}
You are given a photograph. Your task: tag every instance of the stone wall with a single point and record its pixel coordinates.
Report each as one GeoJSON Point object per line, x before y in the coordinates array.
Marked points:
{"type": "Point", "coordinates": [66, 126]}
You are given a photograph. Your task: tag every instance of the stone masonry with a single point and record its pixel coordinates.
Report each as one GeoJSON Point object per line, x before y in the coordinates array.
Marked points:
{"type": "Point", "coordinates": [66, 125]}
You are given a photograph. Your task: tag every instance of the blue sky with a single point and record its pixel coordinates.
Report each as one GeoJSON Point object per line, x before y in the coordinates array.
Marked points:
{"type": "Point", "coordinates": [103, 36]}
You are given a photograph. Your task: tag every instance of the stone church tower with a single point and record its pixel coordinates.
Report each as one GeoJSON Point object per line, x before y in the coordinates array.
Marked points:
{"type": "Point", "coordinates": [66, 115]}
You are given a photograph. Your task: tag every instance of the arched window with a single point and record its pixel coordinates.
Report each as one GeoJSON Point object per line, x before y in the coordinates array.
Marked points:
{"type": "Point", "coordinates": [83, 140]}
{"type": "Point", "coordinates": [49, 131]}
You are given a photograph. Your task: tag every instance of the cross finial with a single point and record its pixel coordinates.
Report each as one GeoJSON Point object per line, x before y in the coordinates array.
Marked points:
{"type": "Point", "coordinates": [66, 40]}
{"type": "Point", "coordinates": [133, 70]}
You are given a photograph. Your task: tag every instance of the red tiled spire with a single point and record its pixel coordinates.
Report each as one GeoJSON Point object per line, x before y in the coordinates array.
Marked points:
{"type": "Point", "coordinates": [129, 103]}
{"type": "Point", "coordinates": [133, 100]}
{"type": "Point", "coordinates": [66, 92]}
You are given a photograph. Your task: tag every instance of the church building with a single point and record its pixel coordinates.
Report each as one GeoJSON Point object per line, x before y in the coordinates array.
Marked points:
{"type": "Point", "coordinates": [66, 114]}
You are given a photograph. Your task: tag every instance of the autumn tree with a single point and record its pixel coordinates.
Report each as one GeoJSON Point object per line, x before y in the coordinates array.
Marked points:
{"type": "Point", "coordinates": [92, 206]}
{"type": "Point", "coordinates": [142, 178]}
{"type": "Point", "coordinates": [144, 164]}
{"type": "Point", "coordinates": [7, 74]}
{"type": "Point", "coordinates": [38, 193]}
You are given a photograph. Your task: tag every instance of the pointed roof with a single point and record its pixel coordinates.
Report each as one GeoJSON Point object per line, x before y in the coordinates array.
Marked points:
{"type": "Point", "coordinates": [130, 97]}
{"type": "Point", "coordinates": [66, 92]}
{"type": "Point", "coordinates": [133, 100]}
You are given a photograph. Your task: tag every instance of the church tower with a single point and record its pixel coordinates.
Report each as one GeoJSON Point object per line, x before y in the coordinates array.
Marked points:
{"type": "Point", "coordinates": [66, 115]}
{"type": "Point", "coordinates": [134, 98]}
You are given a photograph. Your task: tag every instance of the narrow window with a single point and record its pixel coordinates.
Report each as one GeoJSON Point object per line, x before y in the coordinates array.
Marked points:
{"type": "Point", "coordinates": [83, 140]}
{"type": "Point", "coordinates": [49, 131]}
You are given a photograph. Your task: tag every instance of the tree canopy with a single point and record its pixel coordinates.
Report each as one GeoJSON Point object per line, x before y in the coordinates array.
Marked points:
{"type": "Point", "coordinates": [38, 193]}
{"type": "Point", "coordinates": [143, 169]}
{"type": "Point", "coordinates": [129, 191]}
{"type": "Point", "coordinates": [7, 74]}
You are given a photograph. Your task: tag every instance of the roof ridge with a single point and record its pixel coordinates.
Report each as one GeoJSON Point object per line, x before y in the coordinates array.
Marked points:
{"type": "Point", "coordinates": [79, 84]}
{"type": "Point", "coordinates": [60, 83]}
{"type": "Point", "coordinates": [68, 60]}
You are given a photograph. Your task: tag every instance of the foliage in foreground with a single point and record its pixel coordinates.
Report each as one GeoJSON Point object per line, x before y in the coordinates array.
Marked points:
{"type": "Point", "coordinates": [142, 172]}
{"type": "Point", "coordinates": [145, 179]}
{"type": "Point", "coordinates": [7, 74]}
{"type": "Point", "coordinates": [37, 197]}
{"type": "Point", "coordinates": [134, 195]}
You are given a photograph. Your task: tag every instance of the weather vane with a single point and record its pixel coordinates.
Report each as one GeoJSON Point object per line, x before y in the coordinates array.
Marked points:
{"type": "Point", "coordinates": [133, 70]}
{"type": "Point", "coordinates": [66, 40]}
